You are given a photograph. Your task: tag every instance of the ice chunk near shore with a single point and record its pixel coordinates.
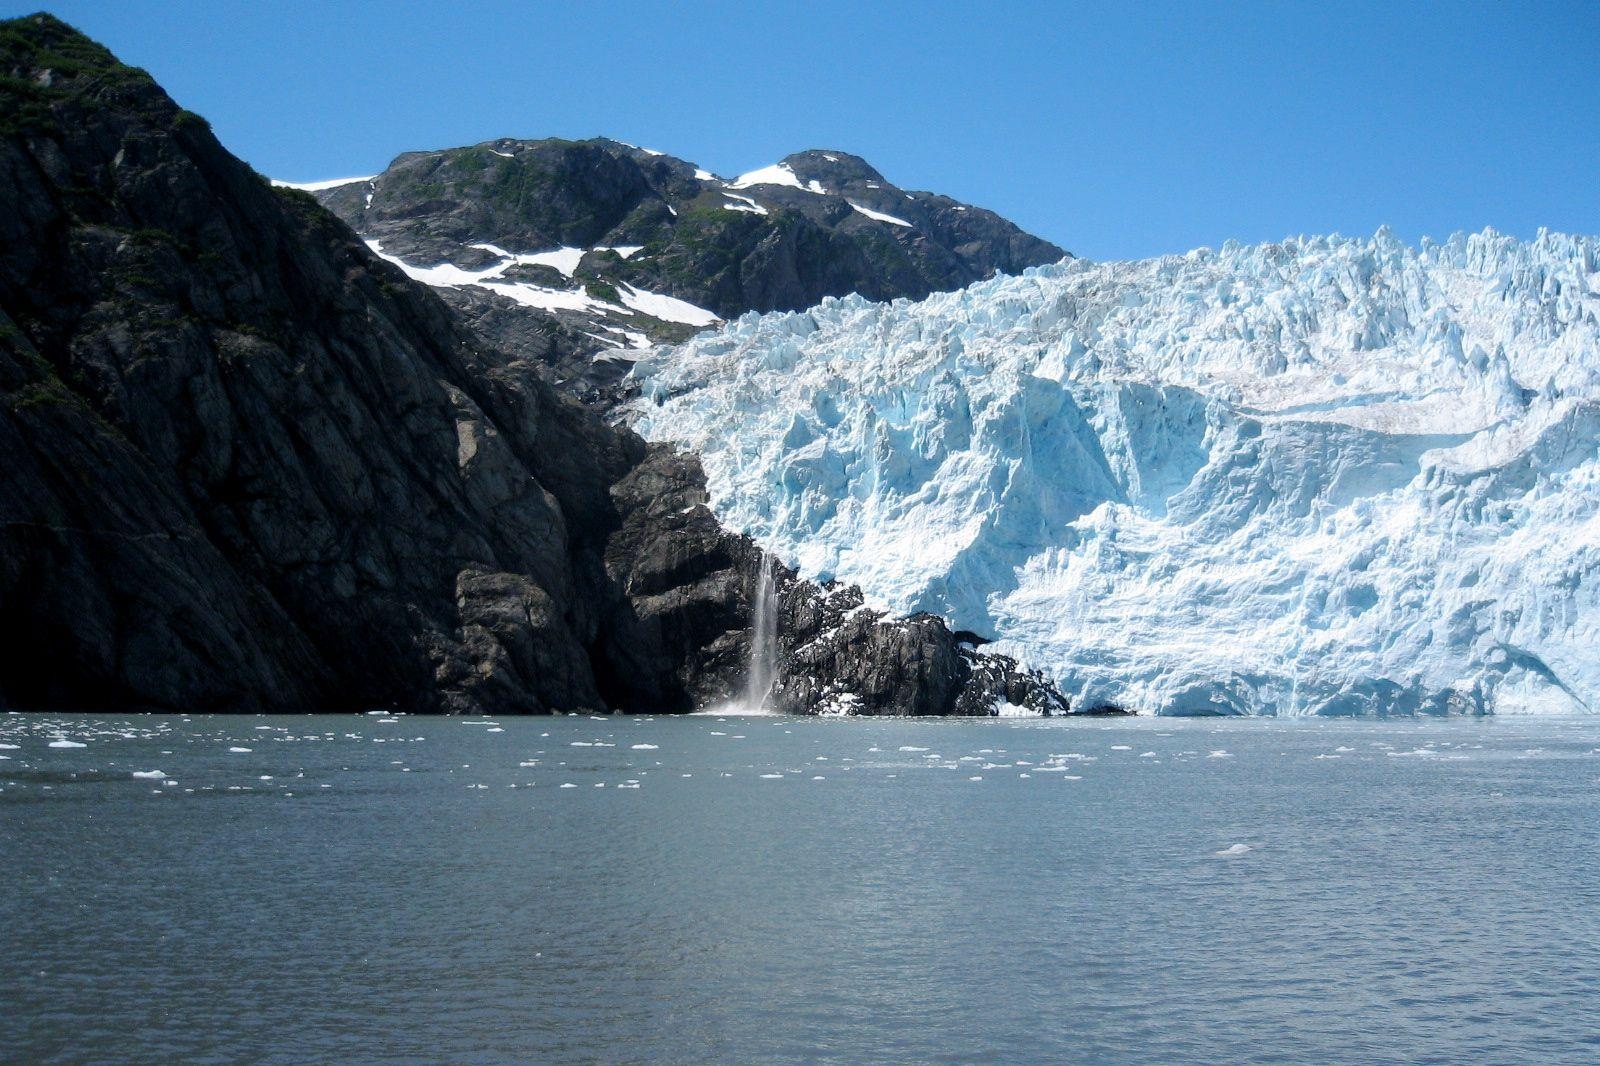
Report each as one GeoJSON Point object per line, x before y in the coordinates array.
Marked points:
{"type": "Point", "coordinates": [1324, 476]}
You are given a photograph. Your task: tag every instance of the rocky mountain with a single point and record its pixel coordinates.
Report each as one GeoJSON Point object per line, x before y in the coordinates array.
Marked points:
{"type": "Point", "coordinates": [1328, 475]}
{"type": "Point", "coordinates": [250, 466]}
{"type": "Point", "coordinates": [567, 250]}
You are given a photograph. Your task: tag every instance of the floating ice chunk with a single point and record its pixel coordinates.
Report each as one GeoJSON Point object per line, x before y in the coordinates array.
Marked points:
{"type": "Point", "coordinates": [154, 775]}
{"type": "Point", "coordinates": [67, 744]}
{"type": "Point", "coordinates": [238, 750]}
{"type": "Point", "coordinates": [644, 747]}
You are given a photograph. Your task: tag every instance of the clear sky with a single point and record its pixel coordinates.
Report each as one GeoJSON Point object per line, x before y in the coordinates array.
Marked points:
{"type": "Point", "coordinates": [1117, 130]}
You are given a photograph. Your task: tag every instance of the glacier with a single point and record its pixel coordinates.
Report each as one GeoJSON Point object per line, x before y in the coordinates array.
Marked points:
{"type": "Point", "coordinates": [1328, 475]}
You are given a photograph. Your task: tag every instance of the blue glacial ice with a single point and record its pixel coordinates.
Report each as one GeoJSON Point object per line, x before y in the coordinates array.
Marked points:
{"type": "Point", "coordinates": [1329, 475]}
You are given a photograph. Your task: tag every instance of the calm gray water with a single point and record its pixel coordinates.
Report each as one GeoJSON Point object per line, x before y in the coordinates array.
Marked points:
{"type": "Point", "coordinates": [773, 889]}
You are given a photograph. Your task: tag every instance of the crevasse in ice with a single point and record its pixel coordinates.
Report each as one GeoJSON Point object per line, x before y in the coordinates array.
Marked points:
{"type": "Point", "coordinates": [1328, 475]}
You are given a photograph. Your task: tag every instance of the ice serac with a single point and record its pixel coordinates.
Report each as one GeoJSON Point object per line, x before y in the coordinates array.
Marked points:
{"type": "Point", "coordinates": [1329, 475]}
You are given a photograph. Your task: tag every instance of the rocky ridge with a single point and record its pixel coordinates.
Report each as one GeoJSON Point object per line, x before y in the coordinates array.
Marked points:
{"type": "Point", "coordinates": [252, 467]}
{"type": "Point", "coordinates": [577, 251]}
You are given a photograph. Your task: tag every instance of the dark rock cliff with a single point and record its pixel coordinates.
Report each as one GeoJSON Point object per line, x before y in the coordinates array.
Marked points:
{"type": "Point", "coordinates": [248, 466]}
{"type": "Point", "coordinates": [688, 580]}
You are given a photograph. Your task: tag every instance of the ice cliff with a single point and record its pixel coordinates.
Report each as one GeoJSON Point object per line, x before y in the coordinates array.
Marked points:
{"type": "Point", "coordinates": [1326, 476]}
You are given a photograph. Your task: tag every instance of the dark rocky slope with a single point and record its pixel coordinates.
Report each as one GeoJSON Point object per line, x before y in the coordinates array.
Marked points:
{"type": "Point", "coordinates": [836, 227]}
{"type": "Point", "coordinates": [248, 466]}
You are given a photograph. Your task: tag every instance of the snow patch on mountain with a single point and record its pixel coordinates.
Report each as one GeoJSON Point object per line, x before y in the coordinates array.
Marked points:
{"type": "Point", "coordinates": [1328, 475]}
{"type": "Point", "coordinates": [879, 215]}
{"type": "Point", "coordinates": [565, 260]}
{"type": "Point", "coordinates": [666, 308]}
{"type": "Point", "coordinates": [777, 174]}
{"type": "Point", "coordinates": [319, 186]}
{"type": "Point", "coordinates": [743, 203]}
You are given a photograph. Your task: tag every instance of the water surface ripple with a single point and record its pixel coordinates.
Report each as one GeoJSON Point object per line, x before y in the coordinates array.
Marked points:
{"type": "Point", "coordinates": [771, 889]}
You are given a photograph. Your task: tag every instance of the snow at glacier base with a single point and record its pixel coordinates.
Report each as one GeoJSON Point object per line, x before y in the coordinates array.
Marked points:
{"type": "Point", "coordinates": [1325, 476]}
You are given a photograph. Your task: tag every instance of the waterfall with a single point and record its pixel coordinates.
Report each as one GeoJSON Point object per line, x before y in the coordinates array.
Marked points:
{"type": "Point", "coordinates": [763, 639]}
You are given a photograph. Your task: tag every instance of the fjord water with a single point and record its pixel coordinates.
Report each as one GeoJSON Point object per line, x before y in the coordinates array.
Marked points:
{"type": "Point", "coordinates": [779, 889]}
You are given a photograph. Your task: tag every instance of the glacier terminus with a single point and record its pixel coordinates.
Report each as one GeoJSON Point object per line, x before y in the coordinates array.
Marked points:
{"type": "Point", "coordinates": [1323, 476]}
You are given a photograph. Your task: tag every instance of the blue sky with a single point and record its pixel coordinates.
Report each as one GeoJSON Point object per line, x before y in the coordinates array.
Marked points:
{"type": "Point", "coordinates": [1116, 130]}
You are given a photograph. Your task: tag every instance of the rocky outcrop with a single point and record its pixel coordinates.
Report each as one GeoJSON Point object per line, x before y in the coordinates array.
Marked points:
{"type": "Point", "coordinates": [684, 630]}
{"type": "Point", "coordinates": [249, 467]}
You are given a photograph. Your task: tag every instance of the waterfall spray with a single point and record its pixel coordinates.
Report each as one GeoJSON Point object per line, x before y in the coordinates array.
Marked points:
{"type": "Point", "coordinates": [763, 638]}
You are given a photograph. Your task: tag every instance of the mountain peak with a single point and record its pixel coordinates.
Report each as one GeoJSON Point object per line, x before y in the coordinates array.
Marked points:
{"type": "Point", "coordinates": [33, 45]}
{"type": "Point", "coordinates": [833, 169]}
{"type": "Point", "coordinates": [818, 223]}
